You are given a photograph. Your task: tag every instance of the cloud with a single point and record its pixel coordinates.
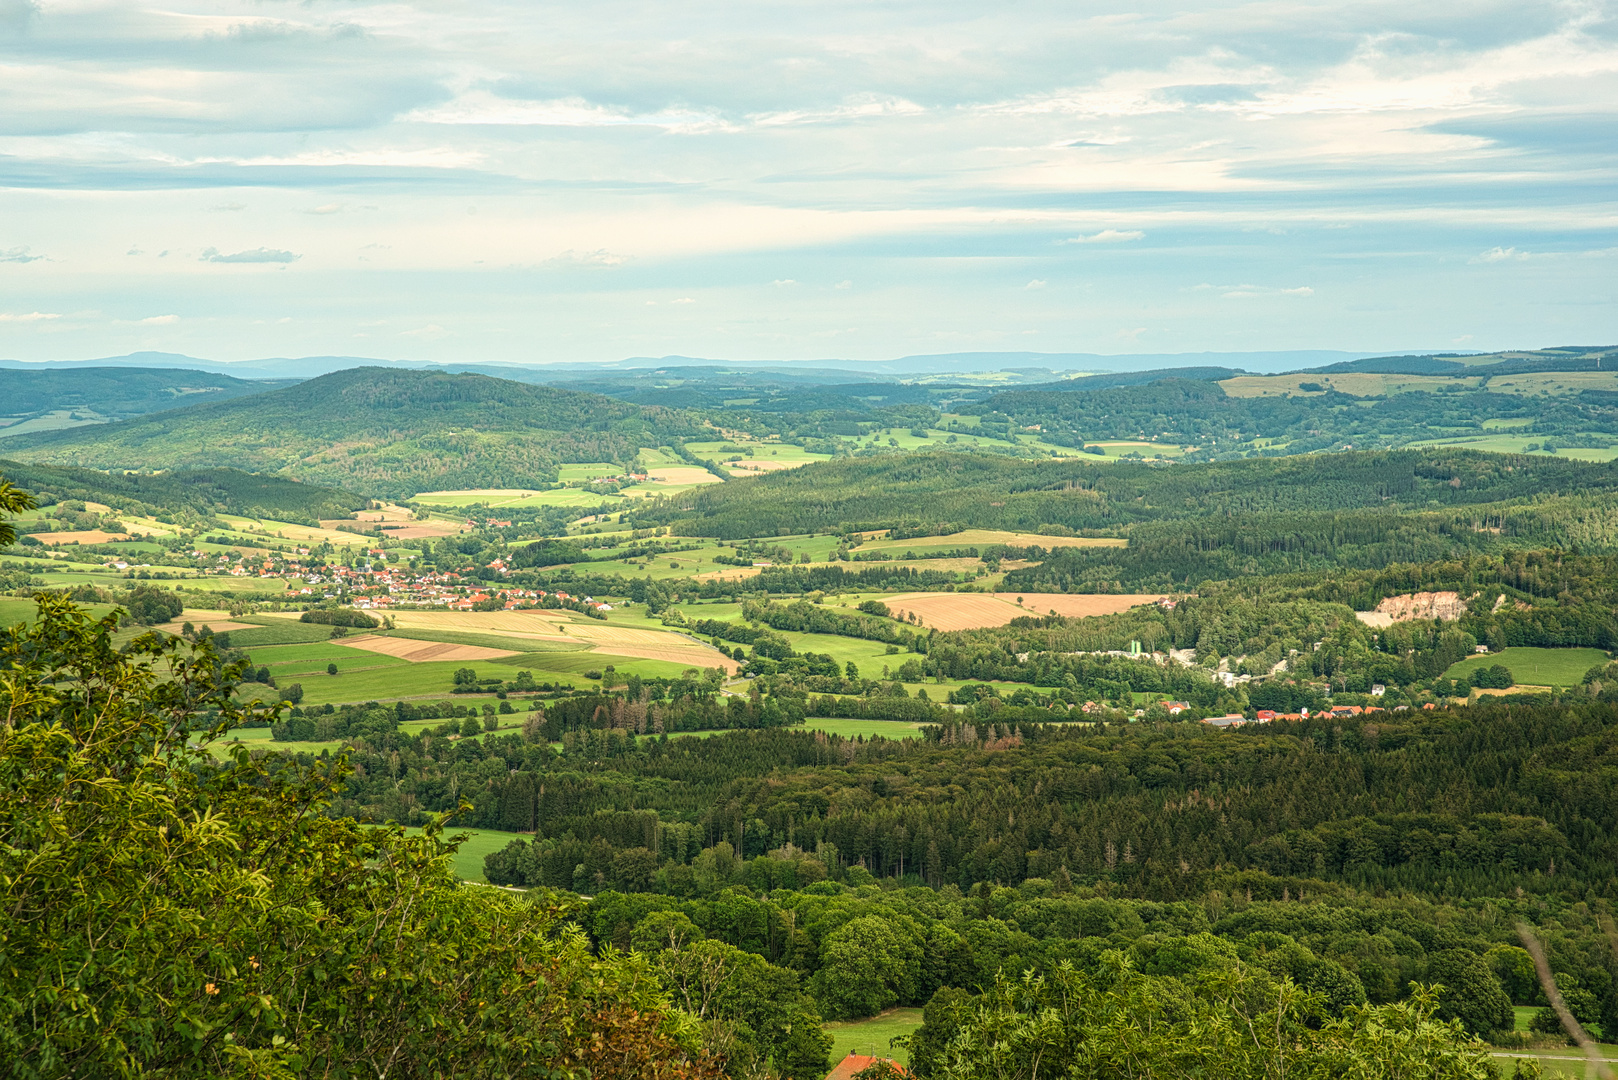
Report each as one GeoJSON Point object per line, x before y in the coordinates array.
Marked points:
{"type": "Point", "coordinates": [1499, 254]}
{"type": "Point", "coordinates": [19, 255]}
{"type": "Point", "coordinates": [160, 320]}
{"type": "Point", "coordinates": [30, 316]}
{"type": "Point", "coordinates": [598, 257]}
{"type": "Point", "coordinates": [1037, 283]}
{"type": "Point", "coordinates": [781, 283]}
{"type": "Point", "coordinates": [683, 300]}
{"type": "Point", "coordinates": [328, 208]}
{"type": "Point", "coordinates": [430, 332]}
{"type": "Point", "coordinates": [843, 285]}
{"type": "Point", "coordinates": [256, 255]}
{"type": "Point", "coordinates": [1250, 292]}
{"type": "Point", "coordinates": [1107, 236]}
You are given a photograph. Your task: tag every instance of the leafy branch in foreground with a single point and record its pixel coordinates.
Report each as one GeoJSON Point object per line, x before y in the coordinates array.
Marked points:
{"type": "Point", "coordinates": [164, 914]}
{"type": "Point", "coordinates": [1228, 1022]}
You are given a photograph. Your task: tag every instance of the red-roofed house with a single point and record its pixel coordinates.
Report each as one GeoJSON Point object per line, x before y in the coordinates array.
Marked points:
{"type": "Point", "coordinates": [856, 1063]}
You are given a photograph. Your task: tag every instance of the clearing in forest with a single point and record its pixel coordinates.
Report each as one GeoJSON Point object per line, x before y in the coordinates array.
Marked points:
{"type": "Point", "coordinates": [984, 537]}
{"type": "Point", "coordinates": [974, 611]}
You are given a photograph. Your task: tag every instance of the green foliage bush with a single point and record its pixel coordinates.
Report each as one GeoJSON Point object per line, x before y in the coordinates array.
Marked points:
{"type": "Point", "coordinates": [165, 914]}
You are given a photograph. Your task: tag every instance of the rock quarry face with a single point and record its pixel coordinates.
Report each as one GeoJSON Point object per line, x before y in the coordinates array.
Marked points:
{"type": "Point", "coordinates": [1422, 605]}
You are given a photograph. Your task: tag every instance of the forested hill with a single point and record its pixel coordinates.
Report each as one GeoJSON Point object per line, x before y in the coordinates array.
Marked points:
{"type": "Point", "coordinates": [384, 432]}
{"type": "Point", "coordinates": [987, 491]}
{"type": "Point", "coordinates": [229, 491]}
{"type": "Point", "coordinates": [118, 393]}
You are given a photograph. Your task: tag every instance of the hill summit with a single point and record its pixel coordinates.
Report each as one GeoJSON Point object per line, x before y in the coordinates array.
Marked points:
{"type": "Point", "coordinates": [383, 431]}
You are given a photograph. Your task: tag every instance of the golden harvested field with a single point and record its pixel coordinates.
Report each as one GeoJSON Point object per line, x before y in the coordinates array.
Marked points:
{"type": "Point", "coordinates": [1554, 382]}
{"type": "Point", "coordinates": [77, 536]}
{"type": "Point", "coordinates": [649, 645]}
{"type": "Point", "coordinates": [682, 474]}
{"type": "Point", "coordinates": [982, 537]}
{"type": "Point", "coordinates": [217, 621]}
{"type": "Point", "coordinates": [530, 623]}
{"type": "Point", "coordinates": [1080, 605]}
{"type": "Point", "coordinates": [734, 573]}
{"type": "Point", "coordinates": [754, 465]}
{"type": "Point", "coordinates": [1356, 383]}
{"type": "Point", "coordinates": [421, 651]}
{"type": "Point", "coordinates": [974, 611]}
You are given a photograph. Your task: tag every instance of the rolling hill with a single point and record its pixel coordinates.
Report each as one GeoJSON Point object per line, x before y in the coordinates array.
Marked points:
{"type": "Point", "coordinates": [379, 431]}
{"type": "Point", "coordinates": [52, 398]}
{"type": "Point", "coordinates": [228, 491]}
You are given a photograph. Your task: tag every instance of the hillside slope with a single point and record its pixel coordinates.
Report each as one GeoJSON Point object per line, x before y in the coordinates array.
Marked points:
{"type": "Point", "coordinates": [382, 432]}
{"type": "Point", "coordinates": [229, 491]}
{"type": "Point", "coordinates": [99, 394]}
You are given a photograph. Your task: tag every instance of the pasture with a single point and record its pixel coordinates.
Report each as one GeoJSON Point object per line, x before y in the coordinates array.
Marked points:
{"type": "Point", "coordinates": [1535, 667]}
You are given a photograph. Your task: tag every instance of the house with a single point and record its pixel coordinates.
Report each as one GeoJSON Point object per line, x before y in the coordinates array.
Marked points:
{"type": "Point", "coordinates": [1175, 708]}
{"type": "Point", "coordinates": [858, 1063]}
{"type": "Point", "coordinates": [1226, 721]}
{"type": "Point", "coordinates": [1264, 716]}
{"type": "Point", "coordinates": [1377, 689]}
{"type": "Point", "coordinates": [1345, 710]}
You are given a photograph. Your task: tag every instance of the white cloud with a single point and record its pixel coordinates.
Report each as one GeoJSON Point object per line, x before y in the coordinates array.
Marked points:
{"type": "Point", "coordinates": [1107, 236]}
{"type": "Point", "coordinates": [1499, 254]}
{"type": "Point", "coordinates": [781, 283]}
{"type": "Point", "coordinates": [843, 285]}
{"type": "Point", "coordinates": [27, 317]}
{"type": "Point", "coordinates": [1037, 283]}
{"type": "Point", "coordinates": [256, 255]}
{"type": "Point", "coordinates": [430, 332]}
{"type": "Point", "coordinates": [160, 320]}
{"type": "Point", "coordinates": [683, 300]}
{"type": "Point", "coordinates": [598, 257]}
{"type": "Point", "coordinates": [19, 255]}
{"type": "Point", "coordinates": [1250, 292]}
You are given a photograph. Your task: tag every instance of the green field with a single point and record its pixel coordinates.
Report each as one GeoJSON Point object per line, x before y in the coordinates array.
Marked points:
{"type": "Point", "coordinates": [1535, 667]}
{"type": "Point", "coordinates": [869, 729]}
{"type": "Point", "coordinates": [277, 632]}
{"type": "Point", "coordinates": [467, 862]}
{"type": "Point", "coordinates": [872, 1036]}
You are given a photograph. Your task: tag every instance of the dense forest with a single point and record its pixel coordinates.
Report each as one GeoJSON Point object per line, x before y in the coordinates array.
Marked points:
{"type": "Point", "coordinates": [385, 432]}
{"type": "Point", "coordinates": [1465, 489]}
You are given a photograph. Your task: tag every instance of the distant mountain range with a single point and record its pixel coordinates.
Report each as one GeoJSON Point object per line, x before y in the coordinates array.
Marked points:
{"type": "Point", "coordinates": [308, 367]}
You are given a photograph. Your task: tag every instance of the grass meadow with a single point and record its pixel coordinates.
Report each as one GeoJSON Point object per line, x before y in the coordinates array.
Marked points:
{"type": "Point", "coordinates": [1535, 667]}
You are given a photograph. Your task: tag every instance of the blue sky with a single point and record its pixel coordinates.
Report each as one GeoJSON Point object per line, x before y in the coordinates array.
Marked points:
{"type": "Point", "coordinates": [568, 182]}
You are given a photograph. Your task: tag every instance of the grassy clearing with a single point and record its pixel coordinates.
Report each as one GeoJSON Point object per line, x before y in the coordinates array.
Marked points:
{"type": "Point", "coordinates": [868, 729]}
{"type": "Point", "coordinates": [467, 862]}
{"type": "Point", "coordinates": [1535, 667]}
{"type": "Point", "coordinates": [871, 1036]}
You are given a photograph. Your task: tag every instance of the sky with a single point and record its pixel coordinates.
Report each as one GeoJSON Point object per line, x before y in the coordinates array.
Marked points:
{"type": "Point", "coordinates": [541, 182]}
